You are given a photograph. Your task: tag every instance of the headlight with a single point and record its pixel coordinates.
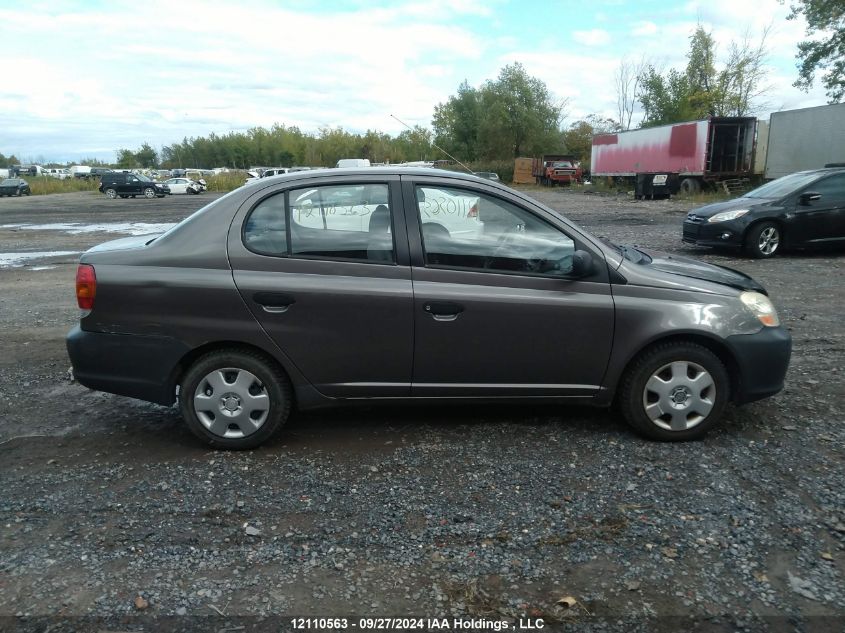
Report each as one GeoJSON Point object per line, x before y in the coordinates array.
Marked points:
{"type": "Point", "coordinates": [761, 307]}
{"type": "Point", "coordinates": [724, 216]}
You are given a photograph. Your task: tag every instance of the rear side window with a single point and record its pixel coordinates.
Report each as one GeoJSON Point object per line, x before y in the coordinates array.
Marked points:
{"type": "Point", "coordinates": [266, 227]}
{"type": "Point", "coordinates": [340, 222]}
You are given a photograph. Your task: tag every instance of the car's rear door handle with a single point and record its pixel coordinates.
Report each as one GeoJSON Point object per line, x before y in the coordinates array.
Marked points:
{"type": "Point", "coordinates": [443, 310]}
{"type": "Point", "coordinates": [274, 302]}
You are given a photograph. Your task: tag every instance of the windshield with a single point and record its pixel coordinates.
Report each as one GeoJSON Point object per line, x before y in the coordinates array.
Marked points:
{"type": "Point", "coordinates": [782, 186]}
{"type": "Point", "coordinates": [143, 178]}
{"type": "Point", "coordinates": [8, 182]}
{"type": "Point", "coordinates": [562, 163]}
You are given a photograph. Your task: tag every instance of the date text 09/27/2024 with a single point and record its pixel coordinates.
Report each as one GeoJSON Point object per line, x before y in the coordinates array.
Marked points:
{"type": "Point", "coordinates": [410, 624]}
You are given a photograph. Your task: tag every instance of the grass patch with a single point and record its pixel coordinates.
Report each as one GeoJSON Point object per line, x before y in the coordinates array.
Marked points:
{"type": "Point", "coordinates": [225, 181]}
{"type": "Point", "coordinates": [44, 185]}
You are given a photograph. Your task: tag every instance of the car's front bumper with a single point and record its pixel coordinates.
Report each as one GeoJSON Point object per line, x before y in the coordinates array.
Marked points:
{"type": "Point", "coordinates": [713, 234]}
{"type": "Point", "coordinates": [762, 360]}
{"type": "Point", "coordinates": [131, 365]}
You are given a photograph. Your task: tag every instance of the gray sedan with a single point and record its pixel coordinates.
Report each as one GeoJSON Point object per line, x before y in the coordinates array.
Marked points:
{"type": "Point", "coordinates": [406, 285]}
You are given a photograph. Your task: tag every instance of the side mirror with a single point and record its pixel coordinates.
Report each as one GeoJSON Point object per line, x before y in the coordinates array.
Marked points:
{"type": "Point", "coordinates": [582, 264]}
{"type": "Point", "coordinates": [809, 196]}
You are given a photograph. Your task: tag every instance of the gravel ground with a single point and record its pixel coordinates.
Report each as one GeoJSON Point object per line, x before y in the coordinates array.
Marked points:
{"type": "Point", "coordinates": [113, 517]}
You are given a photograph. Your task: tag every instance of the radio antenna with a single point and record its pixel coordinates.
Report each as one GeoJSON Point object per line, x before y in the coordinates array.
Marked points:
{"type": "Point", "coordinates": [435, 145]}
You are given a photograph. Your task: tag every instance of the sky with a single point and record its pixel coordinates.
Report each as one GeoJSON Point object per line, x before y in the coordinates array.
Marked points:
{"type": "Point", "coordinates": [83, 79]}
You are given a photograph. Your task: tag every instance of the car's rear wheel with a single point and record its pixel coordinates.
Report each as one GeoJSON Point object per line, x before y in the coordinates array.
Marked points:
{"type": "Point", "coordinates": [763, 240]}
{"type": "Point", "coordinates": [675, 392]}
{"type": "Point", "coordinates": [235, 399]}
{"type": "Point", "coordinates": [149, 192]}
{"type": "Point", "coordinates": [111, 193]}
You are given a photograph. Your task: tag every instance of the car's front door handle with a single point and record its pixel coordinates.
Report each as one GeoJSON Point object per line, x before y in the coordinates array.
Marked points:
{"type": "Point", "coordinates": [274, 302]}
{"type": "Point", "coordinates": [443, 310]}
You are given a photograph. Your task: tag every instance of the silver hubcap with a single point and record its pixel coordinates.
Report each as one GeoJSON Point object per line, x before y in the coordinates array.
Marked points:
{"type": "Point", "coordinates": [679, 396]}
{"type": "Point", "coordinates": [231, 402]}
{"type": "Point", "coordinates": [769, 240]}
{"type": "Point", "coordinates": [149, 193]}
{"type": "Point", "coordinates": [111, 193]}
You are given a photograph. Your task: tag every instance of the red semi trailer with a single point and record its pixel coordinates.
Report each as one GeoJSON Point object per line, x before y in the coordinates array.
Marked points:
{"type": "Point", "coordinates": [681, 156]}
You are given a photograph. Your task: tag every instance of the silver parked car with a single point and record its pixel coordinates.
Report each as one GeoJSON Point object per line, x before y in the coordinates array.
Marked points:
{"type": "Point", "coordinates": [410, 285]}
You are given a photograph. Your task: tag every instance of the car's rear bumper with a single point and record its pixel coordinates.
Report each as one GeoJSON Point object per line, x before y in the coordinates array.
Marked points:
{"type": "Point", "coordinates": [134, 365]}
{"type": "Point", "coordinates": [762, 360]}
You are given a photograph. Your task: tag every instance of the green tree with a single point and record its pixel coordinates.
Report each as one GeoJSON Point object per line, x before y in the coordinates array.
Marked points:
{"type": "Point", "coordinates": [521, 117]}
{"type": "Point", "coordinates": [126, 158]}
{"type": "Point", "coordinates": [704, 90]}
{"type": "Point", "coordinates": [513, 115]}
{"type": "Point", "coordinates": [665, 99]}
{"type": "Point", "coordinates": [824, 50]}
{"type": "Point", "coordinates": [146, 156]}
{"type": "Point", "coordinates": [456, 123]}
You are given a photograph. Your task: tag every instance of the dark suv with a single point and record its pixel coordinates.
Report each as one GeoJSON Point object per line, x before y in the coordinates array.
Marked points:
{"type": "Point", "coordinates": [128, 185]}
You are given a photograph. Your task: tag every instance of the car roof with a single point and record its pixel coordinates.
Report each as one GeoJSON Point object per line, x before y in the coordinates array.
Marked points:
{"type": "Point", "coordinates": [822, 170]}
{"type": "Point", "coordinates": [379, 171]}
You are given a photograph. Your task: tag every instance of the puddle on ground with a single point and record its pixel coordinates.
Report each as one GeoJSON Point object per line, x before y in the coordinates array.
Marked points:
{"type": "Point", "coordinates": [75, 228]}
{"type": "Point", "coordinates": [17, 260]}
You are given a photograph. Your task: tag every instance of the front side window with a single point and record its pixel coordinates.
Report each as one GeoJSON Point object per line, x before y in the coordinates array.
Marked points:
{"type": "Point", "coordinates": [345, 222]}
{"type": "Point", "coordinates": [463, 229]}
{"type": "Point", "coordinates": [831, 188]}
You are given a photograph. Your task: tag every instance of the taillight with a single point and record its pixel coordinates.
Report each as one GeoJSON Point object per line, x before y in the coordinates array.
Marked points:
{"type": "Point", "coordinates": [86, 286]}
{"type": "Point", "coordinates": [473, 211]}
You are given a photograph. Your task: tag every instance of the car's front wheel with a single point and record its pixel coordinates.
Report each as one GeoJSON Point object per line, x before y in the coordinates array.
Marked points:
{"type": "Point", "coordinates": [149, 192]}
{"type": "Point", "coordinates": [235, 399]}
{"type": "Point", "coordinates": [111, 193]}
{"type": "Point", "coordinates": [674, 392]}
{"type": "Point", "coordinates": [763, 240]}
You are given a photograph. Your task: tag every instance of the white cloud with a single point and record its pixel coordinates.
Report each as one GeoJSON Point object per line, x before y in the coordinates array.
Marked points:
{"type": "Point", "coordinates": [82, 86]}
{"type": "Point", "coordinates": [644, 29]}
{"type": "Point", "coordinates": [594, 37]}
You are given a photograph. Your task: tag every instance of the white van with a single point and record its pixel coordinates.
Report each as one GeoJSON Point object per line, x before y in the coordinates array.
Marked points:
{"type": "Point", "coordinates": [353, 162]}
{"type": "Point", "coordinates": [61, 174]}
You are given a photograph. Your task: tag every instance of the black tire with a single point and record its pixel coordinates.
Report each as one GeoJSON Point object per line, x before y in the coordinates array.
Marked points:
{"type": "Point", "coordinates": [149, 192]}
{"type": "Point", "coordinates": [654, 363]}
{"type": "Point", "coordinates": [690, 186]}
{"type": "Point", "coordinates": [763, 240]}
{"type": "Point", "coordinates": [271, 381]}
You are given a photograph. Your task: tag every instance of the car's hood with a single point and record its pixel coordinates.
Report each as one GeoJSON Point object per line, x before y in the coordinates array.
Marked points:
{"type": "Point", "coordinates": [728, 205]}
{"type": "Point", "coordinates": [122, 244]}
{"type": "Point", "coordinates": [687, 267]}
